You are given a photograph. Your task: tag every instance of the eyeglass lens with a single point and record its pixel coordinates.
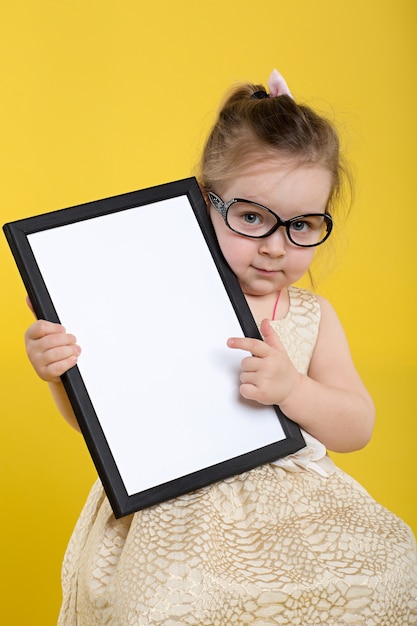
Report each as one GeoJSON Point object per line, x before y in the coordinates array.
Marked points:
{"type": "Point", "coordinates": [254, 221]}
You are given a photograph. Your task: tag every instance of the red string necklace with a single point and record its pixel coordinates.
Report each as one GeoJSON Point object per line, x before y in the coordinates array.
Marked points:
{"type": "Point", "coordinates": [276, 304]}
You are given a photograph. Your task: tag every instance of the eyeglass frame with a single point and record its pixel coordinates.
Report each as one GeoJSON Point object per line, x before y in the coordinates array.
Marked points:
{"type": "Point", "coordinates": [223, 208]}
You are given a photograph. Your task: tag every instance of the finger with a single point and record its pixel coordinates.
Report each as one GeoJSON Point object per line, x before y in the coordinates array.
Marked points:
{"type": "Point", "coordinates": [248, 378]}
{"type": "Point", "coordinates": [60, 353]}
{"type": "Point", "coordinates": [249, 391]}
{"type": "Point", "coordinates": [269, 335]}
{"type": "Point", "coordinates": [41, 328]}
{"type": "Point", "coordinates": [38, 348]}
{"type": "Point", "coordinates": [53, 371]}
{"type": "Point", "coordinates": [55, 340]}
{"type": "Point", "coordinates": [29, 303]}
{"type": "Point", "coordinates": [256, 347]}
{"type": "Point", "coordinates": [51, 364]}
{"type": "Point", "coordinates": [250, 364]}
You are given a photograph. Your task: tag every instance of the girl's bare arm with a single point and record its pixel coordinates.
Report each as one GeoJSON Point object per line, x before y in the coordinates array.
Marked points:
{"type": "Point", "coordinates": [330, 402]}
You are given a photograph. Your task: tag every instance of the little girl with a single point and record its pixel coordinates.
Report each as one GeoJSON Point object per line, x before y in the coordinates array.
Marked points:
{"type": "Point", "coordinates": [293, 542]}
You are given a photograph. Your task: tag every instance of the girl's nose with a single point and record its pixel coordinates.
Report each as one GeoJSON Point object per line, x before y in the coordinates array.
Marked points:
{"type": "Point", "coordinates": [275, 244]}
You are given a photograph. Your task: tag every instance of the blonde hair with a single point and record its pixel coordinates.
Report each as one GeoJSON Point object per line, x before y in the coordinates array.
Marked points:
{"type": "Point", "coordinates": [250, 129]}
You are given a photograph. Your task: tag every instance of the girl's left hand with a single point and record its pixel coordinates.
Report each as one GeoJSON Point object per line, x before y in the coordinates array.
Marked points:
{"type": "Point", "coordinates": [268, 376]}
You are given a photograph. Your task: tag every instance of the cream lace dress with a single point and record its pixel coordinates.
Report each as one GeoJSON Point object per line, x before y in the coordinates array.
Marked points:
{"type": "Point", "coordinates": [298, 542]}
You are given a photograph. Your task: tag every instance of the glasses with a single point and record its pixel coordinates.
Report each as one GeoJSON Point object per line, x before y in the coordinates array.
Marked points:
{"type": "Point", "coordinates": [254, 220]}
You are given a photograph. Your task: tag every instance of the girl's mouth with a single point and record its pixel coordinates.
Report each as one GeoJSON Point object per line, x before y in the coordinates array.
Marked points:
{"type": "Point", "coordinates": [266, 272]}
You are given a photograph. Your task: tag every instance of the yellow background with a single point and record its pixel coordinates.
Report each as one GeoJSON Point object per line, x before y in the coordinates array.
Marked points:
{"type": "Point", "coordinates": [99, 98]}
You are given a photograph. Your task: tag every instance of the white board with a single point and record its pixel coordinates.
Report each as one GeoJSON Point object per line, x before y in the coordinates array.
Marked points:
{"type": "Point", "coordinates": [152, 311]}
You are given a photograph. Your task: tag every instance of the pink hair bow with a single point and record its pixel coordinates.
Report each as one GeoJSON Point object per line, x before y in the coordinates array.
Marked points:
{"type": "Point", "coordinates": [277, 85]}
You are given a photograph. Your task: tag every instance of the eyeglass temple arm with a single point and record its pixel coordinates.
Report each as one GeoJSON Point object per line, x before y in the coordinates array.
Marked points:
{"type": "Point", "coordinates": [218, 204]}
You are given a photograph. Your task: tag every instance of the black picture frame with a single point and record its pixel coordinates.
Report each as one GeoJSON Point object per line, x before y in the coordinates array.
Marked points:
{"type": "Point", "coordinates": [139, 278]}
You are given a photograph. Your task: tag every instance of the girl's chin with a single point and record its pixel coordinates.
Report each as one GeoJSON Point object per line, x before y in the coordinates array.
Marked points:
{"type": "Point", "coordinates": [260, 291]}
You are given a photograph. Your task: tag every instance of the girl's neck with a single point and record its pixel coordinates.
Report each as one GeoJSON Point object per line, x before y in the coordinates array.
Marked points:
{"type": "Point", "coordinates": [270, 306]}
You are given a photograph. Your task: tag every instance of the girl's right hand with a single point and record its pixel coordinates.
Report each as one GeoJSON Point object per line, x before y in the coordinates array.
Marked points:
{"type": "Point", "coordinates": [51, 350]}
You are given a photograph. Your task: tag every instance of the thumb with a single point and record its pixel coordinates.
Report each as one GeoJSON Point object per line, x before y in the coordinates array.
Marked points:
{"type": "Point", "coordinates": [269, 335]}
{"type": "Point", "coordinates": [29, 303]}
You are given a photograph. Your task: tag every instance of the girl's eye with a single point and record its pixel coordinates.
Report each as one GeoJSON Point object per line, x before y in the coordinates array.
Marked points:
{"type": "Point", "coordinates": [300, 226]}
{"type": "Point", "coordinates": [251, 218]}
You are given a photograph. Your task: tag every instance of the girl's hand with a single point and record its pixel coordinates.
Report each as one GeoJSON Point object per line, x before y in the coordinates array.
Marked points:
{"type": "Point", "coordinates": [268, 376]}
{"type": "Point", "coordinates": [51, 350]}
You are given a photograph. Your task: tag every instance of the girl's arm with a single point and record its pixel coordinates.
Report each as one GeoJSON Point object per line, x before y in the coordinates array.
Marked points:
{"type": "Point", "coordinates": [52, 351]}
{"type": "Point", "coordinates": [348, 408]}
{"type": "Point", "coordinates": [330, 402]}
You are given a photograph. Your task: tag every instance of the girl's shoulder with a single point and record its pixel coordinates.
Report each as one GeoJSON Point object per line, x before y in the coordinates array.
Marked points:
{"type": "Point", "coordinates": [303, 301]}
{"type": "Point", "coordinates": [300, 298]}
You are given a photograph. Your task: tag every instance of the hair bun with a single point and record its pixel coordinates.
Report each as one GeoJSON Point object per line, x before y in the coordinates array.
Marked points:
{"type": "Point", "coordinates": [260, 95]}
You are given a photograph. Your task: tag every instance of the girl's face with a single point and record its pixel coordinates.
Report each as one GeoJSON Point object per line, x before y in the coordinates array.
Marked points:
{"type": "Point", "coordinates": [263, 266]}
